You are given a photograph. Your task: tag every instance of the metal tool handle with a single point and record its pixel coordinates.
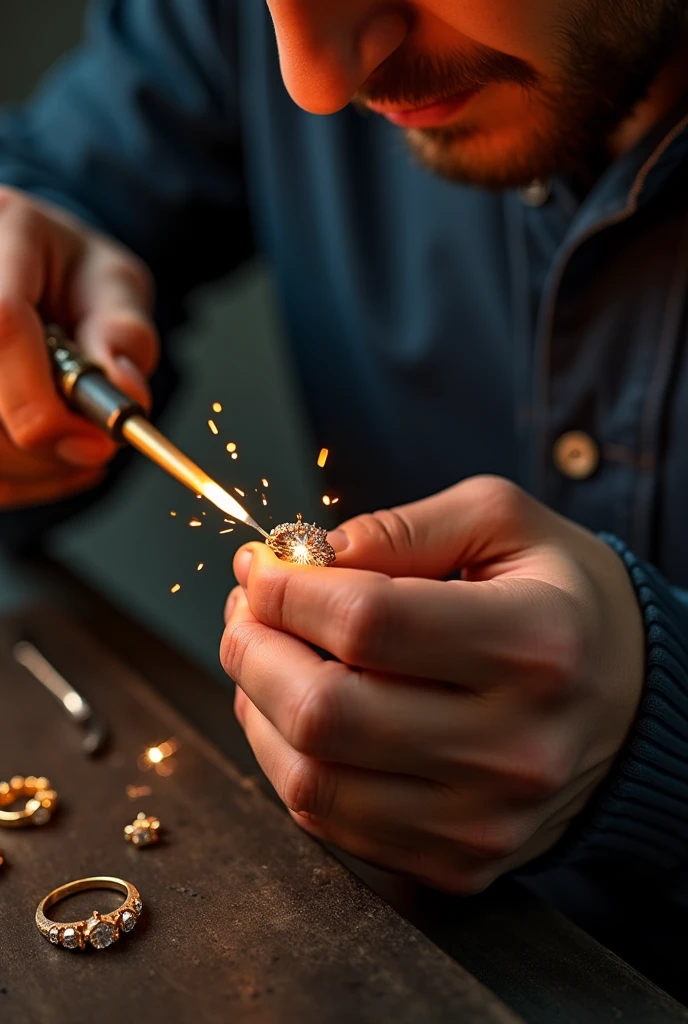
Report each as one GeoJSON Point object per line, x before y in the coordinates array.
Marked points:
{"type": "Point", "coordinates": [86, 388]}
{"type": "Point", "coordinates": [78, 709]}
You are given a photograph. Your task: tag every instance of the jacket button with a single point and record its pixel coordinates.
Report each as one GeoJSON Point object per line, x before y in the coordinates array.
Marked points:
{"type": "Point", "coordinates": [536, 193]}
{"type": "Point", "coordinates": [576, 455]}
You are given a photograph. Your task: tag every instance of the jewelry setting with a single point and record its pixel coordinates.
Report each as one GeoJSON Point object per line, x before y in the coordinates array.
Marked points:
{"type": "Point", "coordinates": [301, 543]}
{"type": "Point", "coordinates": [99, 930]}
{"type": "Point", "coordinates": [40, 806]}
{"type": "Point", "coordinates": [144, 830]}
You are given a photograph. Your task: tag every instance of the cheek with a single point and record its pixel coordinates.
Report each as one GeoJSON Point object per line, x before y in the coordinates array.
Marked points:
{"type": "Point", "coordinates": [526, 29]}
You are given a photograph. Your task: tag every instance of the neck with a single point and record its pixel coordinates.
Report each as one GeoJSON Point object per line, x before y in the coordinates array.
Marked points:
{"type": "Point", "coordinates": [667, 89]}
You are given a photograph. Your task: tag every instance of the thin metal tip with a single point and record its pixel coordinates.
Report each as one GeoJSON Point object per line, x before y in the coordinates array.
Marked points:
{"type": "Point", "coordinates": [251, 522]}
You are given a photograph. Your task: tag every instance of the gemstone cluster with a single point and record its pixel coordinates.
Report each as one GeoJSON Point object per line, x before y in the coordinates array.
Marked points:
{"type": "Point", "coordinates": [100, 930]}
{"type": "Point", "coordinates": [301, 543]}
{"type": "Point", "coordinates": [144, 831]}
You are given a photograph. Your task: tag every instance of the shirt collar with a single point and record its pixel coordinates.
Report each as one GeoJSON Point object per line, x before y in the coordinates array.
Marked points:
{"type": "Point", "coordinates": [635, 178]}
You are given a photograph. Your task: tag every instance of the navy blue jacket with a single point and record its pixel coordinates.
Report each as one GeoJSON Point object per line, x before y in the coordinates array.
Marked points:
{"type": "Point", "coordinates": [463, 332]}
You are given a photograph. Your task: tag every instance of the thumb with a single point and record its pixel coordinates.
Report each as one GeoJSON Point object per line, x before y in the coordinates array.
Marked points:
{"type": "Point", "coordinates": [115, 327]}
{"type": "Point", "coordinates": [482, 519]}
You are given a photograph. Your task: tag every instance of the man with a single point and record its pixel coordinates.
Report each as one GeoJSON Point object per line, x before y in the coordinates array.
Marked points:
{"type": "Point", "coordinates": [509, 300]}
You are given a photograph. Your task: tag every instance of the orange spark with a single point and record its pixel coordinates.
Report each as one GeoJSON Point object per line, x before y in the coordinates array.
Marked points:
{"type": "Point", "coordinates": [322, 458]}
{"type": "Point", "coordinates": [239, 491]}
{"type": "Point", "coordinates": [231, 447]}
{"type": "Point", "coordinates": [195, 522]}
{"type": "Point", "coordinates": [235, 455]}
{"type": "Point", "coordinates": [327, 500]}
{"type": "Point", "coordinates": [264, 482]}
{"type": "Point", "coordinates": [335, 500]}
{"type": "Point", "coordinates": [231, 530]}
{"type": "Point", "coordinates": [265, 500]}
{"type": "Point", "coordinates": [212, 426]}
{"type": "Point", "coordinates": [217, 407]}
{"type": "Point", "coordinates": [200, 566]}
{"type": "Point", "coordinates": [176, 588]}
{"type": "Point", "coordinates": [173, 513]}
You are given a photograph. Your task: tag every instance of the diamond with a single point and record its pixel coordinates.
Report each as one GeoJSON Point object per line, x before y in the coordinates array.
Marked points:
{"type": "Point", "coordinates": [138, 906]}
{"type": "Point", "coordinates": [101, 934]}
{"type": "Point", "coordinates": [128, 921]}
{"type": "Point", "coordinates": [70, 938]}
{"type": "Point", "coordinates": [54, 936]}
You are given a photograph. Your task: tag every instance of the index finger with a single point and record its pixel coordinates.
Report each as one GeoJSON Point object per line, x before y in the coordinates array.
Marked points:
{"type": "Point", "coordinates": [31, 409]}
{"type": "Point", "coordinates": [476, 635]}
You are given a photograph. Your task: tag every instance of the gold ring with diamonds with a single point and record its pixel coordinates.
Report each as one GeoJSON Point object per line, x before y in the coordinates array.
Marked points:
{"type": "Point", "coordinates": [99, 930]}
{"type": "Point", "coordinates": [41, 801]}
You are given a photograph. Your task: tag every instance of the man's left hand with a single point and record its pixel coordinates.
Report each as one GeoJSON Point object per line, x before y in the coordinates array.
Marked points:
{"type": "Point", "coordinates": [462, 724]}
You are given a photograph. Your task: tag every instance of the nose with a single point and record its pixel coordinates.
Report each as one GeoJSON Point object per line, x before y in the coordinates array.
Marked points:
{"type": "Point", "coordinates": [328, 48]}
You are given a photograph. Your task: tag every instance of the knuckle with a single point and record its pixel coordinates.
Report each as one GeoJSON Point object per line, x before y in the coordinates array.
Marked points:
{"type": "Point", "coordinates": [29, 427]}
{"type": "Point", "coordinates": [502, 500]}
{"type": "Point", "coordinates": [269, 593]}
{"type": "Point", "coordinates": [313, 719]}
{"type": "Point", "coordinates": [308, 787]}
{"type": "Point", "coordinates": [364, 624]}
{"type": "Point", "coordinates": [234, 647]}
{"type": "Point", "coordinates": [557, 656]}
{"type": "Point", "coordinates": [539, 775]}
{"type": "Point", "coordinates": [388, 527]}
{"type": "Point", "coordinates": [493, 840]}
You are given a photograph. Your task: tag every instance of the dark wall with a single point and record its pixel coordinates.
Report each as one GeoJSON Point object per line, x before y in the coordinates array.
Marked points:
{"type": "Point", "coordinates": [34, 34]}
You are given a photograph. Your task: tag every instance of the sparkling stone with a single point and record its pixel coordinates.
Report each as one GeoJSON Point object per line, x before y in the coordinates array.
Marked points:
{"type": "Point", "coordinates": [101, 934]}
{"type": "Point", "coordinates": [138, 906]}
{"type": "Point", "coordinates": [70, 939]}
{"type": "Point", "coordinates": [142, 838]}
{"type": "Point", "coordinates": [54, 936]}
{"type": "Point", "coordinates": [41, 816]}
{"type": "Point", "coordinates": [128, 921]}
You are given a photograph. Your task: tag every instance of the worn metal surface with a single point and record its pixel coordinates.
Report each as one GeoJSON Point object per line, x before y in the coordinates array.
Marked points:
{"type": "Point", "coordinates": [246, 919]}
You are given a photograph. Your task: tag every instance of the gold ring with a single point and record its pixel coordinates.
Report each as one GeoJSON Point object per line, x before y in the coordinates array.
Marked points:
{"type": "Point", "coordinates": [40, 804]}
{"type": "Point", "coordinates": [99, 930]}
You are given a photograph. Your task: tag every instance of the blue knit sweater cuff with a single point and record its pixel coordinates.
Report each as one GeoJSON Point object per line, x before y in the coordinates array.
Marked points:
{"type": "Point", "coordinates": [638, 820]}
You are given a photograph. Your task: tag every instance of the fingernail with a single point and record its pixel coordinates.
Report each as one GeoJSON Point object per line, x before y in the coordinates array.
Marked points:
{"type": "Point", "coordinates": [339, 540]}
{"type": "Point", "coordinates": [242, 565]}
{"type": "Point", "coordinates": [129, 368]}
{"type": "Point", "coordinates": [83, 451]}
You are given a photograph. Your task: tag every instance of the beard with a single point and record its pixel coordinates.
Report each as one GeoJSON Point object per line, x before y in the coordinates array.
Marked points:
{"type": "Point", "coordinates": [608, 54]}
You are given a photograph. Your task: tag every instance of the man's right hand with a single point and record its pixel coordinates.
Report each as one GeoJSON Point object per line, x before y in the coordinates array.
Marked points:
{"type": "Point", "coordinates": [55, 269]}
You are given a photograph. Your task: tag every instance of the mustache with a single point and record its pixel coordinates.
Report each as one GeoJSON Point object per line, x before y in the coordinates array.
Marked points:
{"type": "Point", "coordinates": [420, 79]}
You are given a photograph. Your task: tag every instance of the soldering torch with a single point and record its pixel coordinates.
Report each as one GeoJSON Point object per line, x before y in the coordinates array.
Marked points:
{"type": "Point", "coordinates": [88, 391]}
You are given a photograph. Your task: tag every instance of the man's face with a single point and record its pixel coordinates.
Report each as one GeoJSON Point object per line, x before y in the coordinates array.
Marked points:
{"type": "Point", "coordinates": [491, 92]}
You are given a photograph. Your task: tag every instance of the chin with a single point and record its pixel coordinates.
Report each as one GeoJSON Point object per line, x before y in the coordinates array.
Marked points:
{"type": "Point", "coordinates": [498, 159]}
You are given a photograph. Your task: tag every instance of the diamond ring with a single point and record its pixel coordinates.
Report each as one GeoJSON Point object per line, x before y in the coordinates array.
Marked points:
{"type": "Point", "coordinates": [301, 543]}
{"type": "Point", "coordinates": [41, 801]}
{"type": "Point", "coordinates": [99, 930]}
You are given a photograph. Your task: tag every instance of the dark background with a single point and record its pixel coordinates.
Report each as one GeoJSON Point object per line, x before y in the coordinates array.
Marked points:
{"type": "Point", "coordinates": [231, 351]}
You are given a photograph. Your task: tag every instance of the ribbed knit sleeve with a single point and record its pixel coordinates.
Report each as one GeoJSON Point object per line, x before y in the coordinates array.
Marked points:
{"type": "Point", "coordinates": [638, 820]}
